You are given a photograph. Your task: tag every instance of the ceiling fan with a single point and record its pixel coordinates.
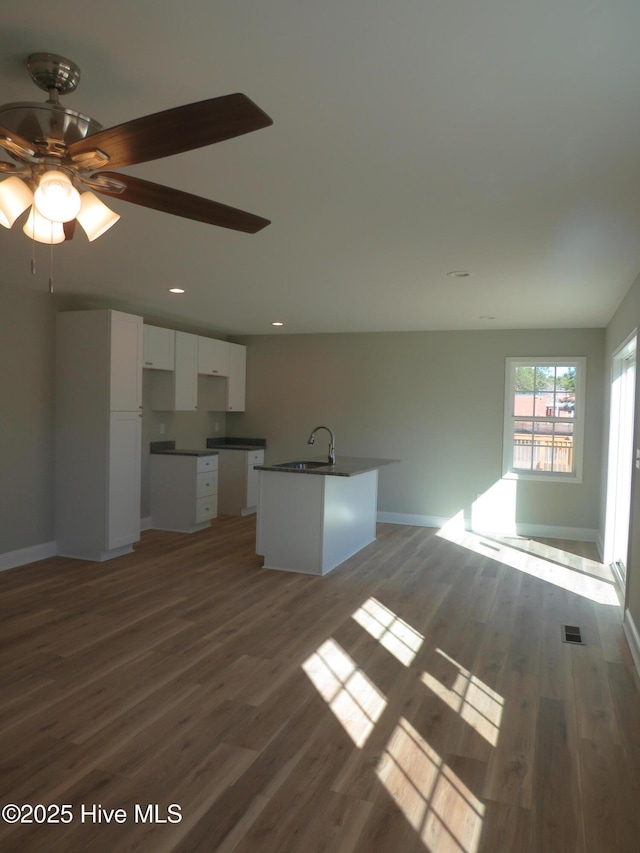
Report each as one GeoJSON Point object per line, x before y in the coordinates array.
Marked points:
{"type": "Point", "coordinates": [55, 150]}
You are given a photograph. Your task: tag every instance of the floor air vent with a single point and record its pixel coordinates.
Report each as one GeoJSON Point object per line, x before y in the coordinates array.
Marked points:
{"type": "Point", "coordinates": [572, 634]}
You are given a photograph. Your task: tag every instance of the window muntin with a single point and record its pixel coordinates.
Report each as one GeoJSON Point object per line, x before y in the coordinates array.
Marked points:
{"type": "Point", "coordinates": [544, 418]}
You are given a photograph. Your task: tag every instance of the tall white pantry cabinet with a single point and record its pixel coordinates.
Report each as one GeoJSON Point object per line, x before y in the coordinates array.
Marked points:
{"type": "Point", "coordinates": [98, 433]}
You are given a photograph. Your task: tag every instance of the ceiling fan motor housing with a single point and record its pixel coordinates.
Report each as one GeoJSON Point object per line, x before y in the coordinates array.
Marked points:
{"type": "Point", "coordinates": [53, 73]}
{"type": "Point", "coordinates": [47, 124]}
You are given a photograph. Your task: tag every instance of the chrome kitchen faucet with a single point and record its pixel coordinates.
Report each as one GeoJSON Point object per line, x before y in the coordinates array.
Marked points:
{"type": "Point", "coordinates": [332, 449]}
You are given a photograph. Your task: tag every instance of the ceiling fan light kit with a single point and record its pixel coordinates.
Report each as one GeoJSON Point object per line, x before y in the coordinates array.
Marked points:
{"type": "Point", "coordinates": [15, 198]}
{"type": "Point", "coordinates": [56, 198]}
{"type": "Point", "coordinates": [43, 230]}
{"type": "Point", "coordinates": [94, 216]}
{"type": "Point", "coordinates": [55, 152]}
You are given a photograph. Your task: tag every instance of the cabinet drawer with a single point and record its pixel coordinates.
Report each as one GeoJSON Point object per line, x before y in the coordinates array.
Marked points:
{"type": "Point", "coordinates": [206, 508]}
{"type": "Point", "coordinates": [207, 484]}
{"type": "Point", "coordinates": [255, 457]}
{"type": "Point", "coordinates": [207, 463]}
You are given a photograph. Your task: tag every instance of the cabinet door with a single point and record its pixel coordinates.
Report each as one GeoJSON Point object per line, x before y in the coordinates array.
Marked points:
{"type": "Point", "coordinates": [125, 442]}
{"type": "Point", "coordinates": [237, 378]}
{"type": "Point", "coordinates": [186, 372]}
{"type": "Point", "coordinates": [126, 363]}
{"type": "Point", "coordinates": [158, 348]}
{"type": "Point", "coordinates": [254, 457]}
{"type": "Point", "coordinates": [213, 357]}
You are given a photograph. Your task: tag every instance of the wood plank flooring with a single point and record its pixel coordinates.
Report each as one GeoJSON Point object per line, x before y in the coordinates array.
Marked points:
{"type": "Point", "coordinates": [418, 698]}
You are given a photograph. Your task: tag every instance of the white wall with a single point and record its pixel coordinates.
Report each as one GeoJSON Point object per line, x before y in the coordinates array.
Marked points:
{"type": "Point", "coordinates": [27, 337]}
{"type": "Point", "coordinates": [433, 399]}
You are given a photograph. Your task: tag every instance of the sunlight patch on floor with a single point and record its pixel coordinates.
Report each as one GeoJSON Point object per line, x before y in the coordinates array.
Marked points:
{"type": "Point", "coordinates": [445, 814]}
{"type": "Point", "coordinates": [354, 699]}
{"type": "Point", "coordinates": [585, 585]}
{"type": "Point", "coordinates": [477, 704]}
{"type": "Point", "coordinates": [441, 809]}
{"type": "Point", "coordinates": [393, 633]}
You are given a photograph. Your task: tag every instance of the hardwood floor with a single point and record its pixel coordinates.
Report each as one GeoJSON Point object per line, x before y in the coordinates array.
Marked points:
{"type": "Point", "coordinates": [418, 698]}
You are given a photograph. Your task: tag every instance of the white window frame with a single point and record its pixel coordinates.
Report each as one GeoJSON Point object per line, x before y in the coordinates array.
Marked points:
{"type": "Point", "coordinates": [509, 472]}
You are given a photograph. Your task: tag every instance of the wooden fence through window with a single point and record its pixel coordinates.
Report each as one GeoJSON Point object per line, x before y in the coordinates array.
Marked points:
{"type": "Point", "coordinates": [543, 453]}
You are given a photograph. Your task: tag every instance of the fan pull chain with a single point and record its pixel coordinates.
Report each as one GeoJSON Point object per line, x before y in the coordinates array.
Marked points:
{"type": "Point", "coordinates": [33, 243]}
{"type": "Point", "coordinates": [33, 252]}
{"type": "Point", "coordinates": [51, 262]}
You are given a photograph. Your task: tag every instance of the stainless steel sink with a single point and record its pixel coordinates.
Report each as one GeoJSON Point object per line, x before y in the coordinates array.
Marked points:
{"type": "Point", "coordinates": [302, 465]}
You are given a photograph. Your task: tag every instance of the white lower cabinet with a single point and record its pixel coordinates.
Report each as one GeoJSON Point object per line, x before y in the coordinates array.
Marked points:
{"type": "Point", "coordinates": [184, 491]}
{"type": "Point", "coordinates": [125, 442]}
{"type": "Point", "coordinates": [239, 481]}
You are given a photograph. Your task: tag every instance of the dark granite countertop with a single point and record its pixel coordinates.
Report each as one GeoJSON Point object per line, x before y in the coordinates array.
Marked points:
{"type": "Point", "coordinates": [168, 448]}
{"type": "Point", "coordinates": [232, 443]}
{"type": "Point", "coordinates": [346, 466]}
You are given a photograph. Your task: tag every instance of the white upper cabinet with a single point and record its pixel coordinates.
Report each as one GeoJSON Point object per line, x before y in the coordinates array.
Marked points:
{"type": "Point", "coordinates": [177, 391]}
{"type": "Point", "coordinates": [227, 394]}
{"type": "Point", "coordinates": [176, 359]}
{"type": "Point", "coordinates": [213, 357]}
{"type": "Point", "coordinates": [159, 348]}
{"type": "Point", "coordinates": [237, 378]}
{"type": "Point", "coordinates": [126, 363]}
{"type": "Point", "coordinates": [186, 372]}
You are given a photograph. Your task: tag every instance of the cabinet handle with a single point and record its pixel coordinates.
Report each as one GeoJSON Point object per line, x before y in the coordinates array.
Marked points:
{"type": "Point", "coordinates": [150, 363]}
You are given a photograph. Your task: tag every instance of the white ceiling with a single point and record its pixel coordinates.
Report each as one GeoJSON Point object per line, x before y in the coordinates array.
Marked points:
{"type": "Point", "coordinates": [410, 139]}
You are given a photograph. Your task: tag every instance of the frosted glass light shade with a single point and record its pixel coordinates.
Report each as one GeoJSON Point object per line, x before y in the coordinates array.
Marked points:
{"type": "Point", "coordinates": [43, 230]}
{"type": "Point", "coordinates": [94, 216]}
{"type": "Point", "coordinates": [15, 198]}
{"type": "Point", "coordinates": [56, 198]}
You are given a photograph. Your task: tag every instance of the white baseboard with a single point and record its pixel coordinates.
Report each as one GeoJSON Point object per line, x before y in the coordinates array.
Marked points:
{"type": "Point", "coordinates": [550, 531]}
{"type": "Point", "coordinates": [13, 559]}
{"type": "Point", "coordinates": [633, 638]}
{"type": "Point", "coordinates": [33, 553]}
{"type": "Point", "coordinates": [413, 520]}
{"type": "Point", "coordinates": [545, 531]}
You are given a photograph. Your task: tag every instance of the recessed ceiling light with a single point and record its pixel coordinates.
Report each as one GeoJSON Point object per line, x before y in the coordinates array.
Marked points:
{"type": "Point", "coordinates": [277, 323]}
{"type": "Point", "coordinates": [176, 290]}
{"type": "Point", "coordinates": [458, 274]}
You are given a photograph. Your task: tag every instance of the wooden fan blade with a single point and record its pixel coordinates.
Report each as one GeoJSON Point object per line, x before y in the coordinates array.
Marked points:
{"type": "Point", "coordinates": [69, 229]}
{"type": "Point", "coordinates": [16, 145]}
{"type": "Point", "coordinates": [168, 200]}
{"type": "Point", "coordinates": [176, 130]}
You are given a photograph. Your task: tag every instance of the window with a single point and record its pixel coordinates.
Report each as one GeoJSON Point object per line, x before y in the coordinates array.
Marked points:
{"type": "Point", "coordinates": [544, 419]}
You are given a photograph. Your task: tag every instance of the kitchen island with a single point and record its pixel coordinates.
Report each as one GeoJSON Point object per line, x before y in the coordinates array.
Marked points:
{"type": "Point", "coordinates": [312, 516]}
